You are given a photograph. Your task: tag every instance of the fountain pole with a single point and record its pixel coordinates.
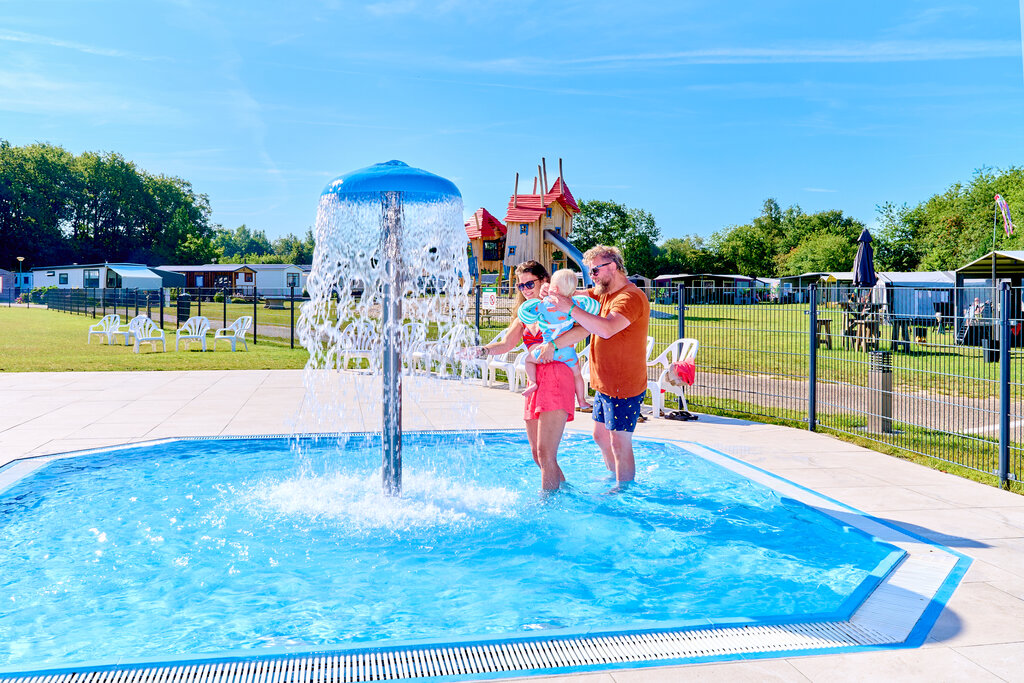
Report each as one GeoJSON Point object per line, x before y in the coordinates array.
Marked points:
{"type": "Point", "coordinates": [391, 328]}
{"type": "Point", "coordinates": [395, 247]}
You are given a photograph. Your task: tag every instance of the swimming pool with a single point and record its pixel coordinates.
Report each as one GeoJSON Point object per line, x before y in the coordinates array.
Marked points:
{"type": "Point", "coordinates": [203, 546]}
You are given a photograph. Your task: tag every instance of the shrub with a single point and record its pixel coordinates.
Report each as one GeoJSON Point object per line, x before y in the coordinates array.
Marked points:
{"type": "Point", "coordinates": [218, 297]}
{"type": "Point", "coordinates": [239, 300]}
{"type": "Point", "coordinates": [174, 293]}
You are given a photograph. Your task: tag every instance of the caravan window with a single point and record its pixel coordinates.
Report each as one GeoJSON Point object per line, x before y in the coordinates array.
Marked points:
{"type": "Point", "coordinates": [292, 279]}
{"type": "Point", "coordinates": [62, 278]}
{"type": "Point", "coordinates": [91, 279]}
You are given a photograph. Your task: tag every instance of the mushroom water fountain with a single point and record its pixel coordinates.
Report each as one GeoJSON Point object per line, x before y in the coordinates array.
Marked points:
{"type": "Point", "coordinates": [388, 283]}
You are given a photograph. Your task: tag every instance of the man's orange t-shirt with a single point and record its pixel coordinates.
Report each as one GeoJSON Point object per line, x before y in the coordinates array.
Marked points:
{"type": "Point", "coordinates": [618, 365]}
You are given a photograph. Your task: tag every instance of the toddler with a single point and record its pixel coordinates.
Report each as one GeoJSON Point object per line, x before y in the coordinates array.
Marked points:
{"type": "Point", "coordinates": [553, 324]}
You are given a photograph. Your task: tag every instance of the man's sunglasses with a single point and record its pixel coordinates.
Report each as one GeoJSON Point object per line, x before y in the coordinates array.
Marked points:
{"type": "Point", "coordinates": [593, 271]}
{"type": "Point", "coordinates": [526, 285]}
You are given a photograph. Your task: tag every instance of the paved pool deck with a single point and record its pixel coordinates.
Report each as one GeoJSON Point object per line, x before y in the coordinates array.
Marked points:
{"type": "Point", "coordinates": [978, 637]}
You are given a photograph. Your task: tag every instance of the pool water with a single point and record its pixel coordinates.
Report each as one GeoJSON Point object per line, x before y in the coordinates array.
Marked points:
{"type": "Point", "coordinates": [205, 546]}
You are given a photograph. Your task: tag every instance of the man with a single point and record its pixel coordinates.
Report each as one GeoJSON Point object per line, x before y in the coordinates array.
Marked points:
{"type": "Point", "coordinates": [618, 354]}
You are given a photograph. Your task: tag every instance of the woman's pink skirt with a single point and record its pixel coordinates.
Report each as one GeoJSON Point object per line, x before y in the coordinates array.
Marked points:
{"type": "Point", "coordinates": [556, 390]}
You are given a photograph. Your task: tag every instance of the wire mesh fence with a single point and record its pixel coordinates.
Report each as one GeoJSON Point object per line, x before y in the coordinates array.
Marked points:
{"type": "Point", "coordinates": [920, 369]}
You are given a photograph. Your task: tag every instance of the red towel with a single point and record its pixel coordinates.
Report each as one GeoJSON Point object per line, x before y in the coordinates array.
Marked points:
{"type": "Point", "coordinates": [686, 370]}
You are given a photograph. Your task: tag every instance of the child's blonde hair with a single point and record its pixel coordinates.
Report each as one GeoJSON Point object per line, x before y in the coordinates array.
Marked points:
{"type": "Point", "coordinates": [564, 281]}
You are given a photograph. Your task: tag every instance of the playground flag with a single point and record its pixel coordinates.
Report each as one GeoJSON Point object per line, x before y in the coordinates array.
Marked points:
{"type": "Point", "coordinates": [1004, 209]}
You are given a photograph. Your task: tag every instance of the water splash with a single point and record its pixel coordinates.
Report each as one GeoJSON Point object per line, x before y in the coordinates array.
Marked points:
{"type": "Point", "coordinates": [359, 271]}
{"type": "Point", "coordinates": [429, 500]}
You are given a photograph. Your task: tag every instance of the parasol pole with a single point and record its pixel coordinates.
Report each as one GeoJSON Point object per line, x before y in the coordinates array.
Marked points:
{"type": "Point", "coordinates": [995, 217]}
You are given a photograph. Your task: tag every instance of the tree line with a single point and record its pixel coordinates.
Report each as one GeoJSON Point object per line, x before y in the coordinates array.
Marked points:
{"type": "Point", "coordinates": [943, 232]}
{"type": "Point", "coordinates": [58, 208]}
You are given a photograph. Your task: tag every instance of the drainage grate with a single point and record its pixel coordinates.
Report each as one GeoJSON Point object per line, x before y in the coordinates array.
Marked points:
{"type": "Point", "coordinates": [511, 657]}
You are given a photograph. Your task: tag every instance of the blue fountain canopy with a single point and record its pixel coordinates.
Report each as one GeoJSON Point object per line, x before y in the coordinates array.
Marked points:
{"type": "Point", "coordinates": [392, 176]}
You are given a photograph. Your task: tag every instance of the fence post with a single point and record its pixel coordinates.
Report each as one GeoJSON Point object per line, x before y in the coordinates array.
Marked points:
{"type": "Point", "coordinates": [225, 295]}
{"type": "Point", "coordinates": [255, 326]}
{"type": "Point", "coordinates": [681, 315]}
{"type": "Point", "coordinates": [812, 387]}
{"type": "Point", "coordinates": [479, 288]}
{"type": "Point", "coordinates": [291, 327]}
{"type": "Point", "coordinates": [1004, 383]}
{"type": "Point", "coordinates": [161, 307]}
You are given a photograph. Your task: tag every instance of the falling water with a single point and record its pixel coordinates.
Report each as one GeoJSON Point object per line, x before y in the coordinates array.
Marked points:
{"type": "Point", "coordinates": [388, 287]}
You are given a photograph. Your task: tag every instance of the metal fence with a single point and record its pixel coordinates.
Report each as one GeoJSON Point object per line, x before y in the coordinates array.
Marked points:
{"type": "Point", "coordinates": [923, 370]}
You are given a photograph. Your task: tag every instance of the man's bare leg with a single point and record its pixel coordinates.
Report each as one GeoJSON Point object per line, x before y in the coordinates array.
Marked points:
{"type": "Point", "coordinates": [603, 439]}
{"type": "Point", "coordinates": [622, 451]}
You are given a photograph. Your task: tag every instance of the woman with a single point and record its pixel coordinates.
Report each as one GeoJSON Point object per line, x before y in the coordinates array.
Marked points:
{"type": "Point", "coordinates": [552, 405]}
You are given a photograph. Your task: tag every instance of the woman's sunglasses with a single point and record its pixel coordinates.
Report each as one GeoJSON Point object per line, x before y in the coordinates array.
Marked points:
{"type": "Point", "coordinates": [526, 285]}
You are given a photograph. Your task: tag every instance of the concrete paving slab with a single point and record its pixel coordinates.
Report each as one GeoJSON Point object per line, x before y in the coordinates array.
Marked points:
{"type": "Point", "coordinates": [1004, 660]}
{"type": "Point", "coordinates": [898, 665]}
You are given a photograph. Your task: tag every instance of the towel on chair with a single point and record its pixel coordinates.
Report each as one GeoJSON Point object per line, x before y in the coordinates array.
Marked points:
{"type": "Point", "coordinates": [684, 373]}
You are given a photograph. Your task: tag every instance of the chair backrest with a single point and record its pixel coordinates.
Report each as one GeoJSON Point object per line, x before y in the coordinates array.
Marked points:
{"type": "Point", "coordinates": [136, 322]}
{"type": "Point", "coordinates": [241, 325]}
{"type": "Point", "coordinates": [110, 321]}
{"type": "Point", "coordinates": [197, 324]}
{"type": "Point", "coordinates": [146, 327]}
{"type": "Point", "coordinates": [677, 351]}
{"type": "Point", "coordinates": [508, 356]}
{"type": "Point", "coordinates": [650, 346]}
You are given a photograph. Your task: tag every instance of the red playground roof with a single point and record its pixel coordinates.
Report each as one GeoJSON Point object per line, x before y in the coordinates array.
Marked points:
{"type": "Point", "coordinates": [531, 206]}
{"type": "Point", "coordinates": [484, 225]}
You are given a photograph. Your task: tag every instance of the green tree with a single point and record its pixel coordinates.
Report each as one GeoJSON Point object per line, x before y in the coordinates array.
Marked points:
{"type": "Point", "coordinates": [56, 208]}
{"type": "Point", "coordinates": [634, 231]}
{"type": "Point", "coordinates": [896, 244]}
{"type": "Point", "coordinates": [689, 254]}
{"type": "Point", "coordinates": [196, 250]}
{"type": "Point", "coordinates": [820, 252]}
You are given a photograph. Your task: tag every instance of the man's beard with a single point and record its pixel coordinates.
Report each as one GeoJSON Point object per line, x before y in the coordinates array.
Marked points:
{"type": "Point", "coordinates": [600, 288]}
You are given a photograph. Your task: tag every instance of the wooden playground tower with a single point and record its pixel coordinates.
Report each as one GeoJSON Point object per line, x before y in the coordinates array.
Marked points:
{"type": "Point", "coordinates": [537, 226]}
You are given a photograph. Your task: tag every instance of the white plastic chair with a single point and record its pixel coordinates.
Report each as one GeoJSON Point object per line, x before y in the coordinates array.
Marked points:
{"type": "Point", "coordinates": [104, 327]}
{"type": "Point", "coordinates": [676, 352]}
{"type": "Point", "coordinates": [148, 332]}
{"type": "Point", "coordinates": [129, 330]}
{"type": "Point", "coordinates": [358, 344]}
{"type": "Point", "coordinates": [233, 333]}
{"type": "Point", "coordinates": [505, 362]}
{"type": "Point", "coordinates": [194, 329]}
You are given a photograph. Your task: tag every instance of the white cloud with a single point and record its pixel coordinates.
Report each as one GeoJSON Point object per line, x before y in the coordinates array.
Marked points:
{"type": "Point", "coordinates": [834, 52]}
{"type": "Point", "coordinates": [30, 93]}
{"type": "Point", "coordinates": [35, 39]}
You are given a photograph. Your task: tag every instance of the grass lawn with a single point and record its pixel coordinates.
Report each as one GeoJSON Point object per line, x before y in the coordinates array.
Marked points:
{"type": "Point", "coordinates": [39, 340]}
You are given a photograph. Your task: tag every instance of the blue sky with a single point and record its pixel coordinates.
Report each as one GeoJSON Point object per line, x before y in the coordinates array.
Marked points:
{"type": "Point", "coordinates": [693, 110]}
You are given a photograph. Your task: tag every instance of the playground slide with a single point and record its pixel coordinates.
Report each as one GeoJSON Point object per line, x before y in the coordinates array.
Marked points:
{"type": "Point", "coordinates": [570, 251]}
